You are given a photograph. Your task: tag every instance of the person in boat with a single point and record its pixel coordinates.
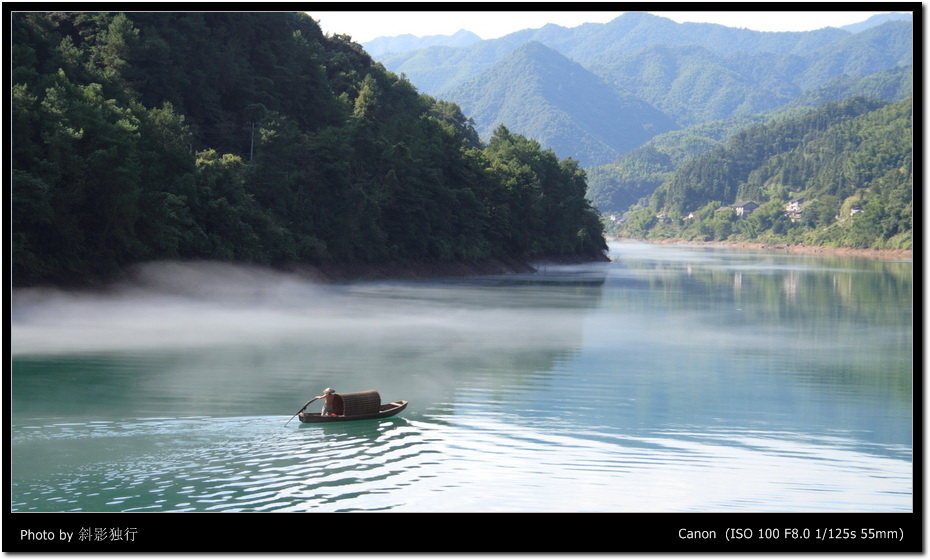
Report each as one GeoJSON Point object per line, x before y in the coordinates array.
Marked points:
{"type": "Point", "coordinates": [328, 396]}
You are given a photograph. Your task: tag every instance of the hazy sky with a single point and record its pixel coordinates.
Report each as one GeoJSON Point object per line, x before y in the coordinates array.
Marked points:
{"type": "Point", "coordinates": [366, 25]}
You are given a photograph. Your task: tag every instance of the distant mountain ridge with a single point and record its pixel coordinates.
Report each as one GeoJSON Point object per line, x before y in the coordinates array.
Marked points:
{"type": "Point", "coordinates": [692, 72]}
{"type": "Point", "coordinates": [407, 42]}
{"type": "Point", "coordinates": [878, 20]}
{"type": "Point", "coordinates": [694, 83]}
{"type": "Point", "coordinates": [625, 34]}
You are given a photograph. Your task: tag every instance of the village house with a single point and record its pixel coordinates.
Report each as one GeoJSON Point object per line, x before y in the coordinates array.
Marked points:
{"type": "Point", "coordinates": [744, 209]}
{"type": "Point", "coordinates": [793, 208]}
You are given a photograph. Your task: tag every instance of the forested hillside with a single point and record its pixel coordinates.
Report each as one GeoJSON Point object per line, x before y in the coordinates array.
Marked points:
{"type": "Point", "coordinates": [840, 175]}
{"type": "Point", "coordinates": [253, 137]}
{"type": "Point", "coordinates": [635, 175]}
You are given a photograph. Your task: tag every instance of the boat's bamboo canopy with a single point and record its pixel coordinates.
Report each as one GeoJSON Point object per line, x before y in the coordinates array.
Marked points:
{"type": "Point", "coordinates": [355, 404]}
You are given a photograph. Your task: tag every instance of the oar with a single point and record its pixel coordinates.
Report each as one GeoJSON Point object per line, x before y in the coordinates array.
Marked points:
{"type": "Point", "coordinates": [299, 411]}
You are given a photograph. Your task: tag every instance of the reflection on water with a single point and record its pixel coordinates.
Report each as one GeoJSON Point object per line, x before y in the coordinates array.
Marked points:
{"type": "Point", "coordinates": [671, 379]}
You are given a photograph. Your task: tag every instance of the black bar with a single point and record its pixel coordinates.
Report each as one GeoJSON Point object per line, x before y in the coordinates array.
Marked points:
{"type": "Point", "coordinates": [470, 532]}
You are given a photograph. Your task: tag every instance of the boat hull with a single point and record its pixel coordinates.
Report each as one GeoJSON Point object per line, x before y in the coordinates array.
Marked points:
{"type": "Point", "coordinates": [386, 411]}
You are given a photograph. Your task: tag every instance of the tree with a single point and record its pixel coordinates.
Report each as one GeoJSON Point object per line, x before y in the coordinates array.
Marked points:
{"type": "Point", "coordinates": [270, 143]}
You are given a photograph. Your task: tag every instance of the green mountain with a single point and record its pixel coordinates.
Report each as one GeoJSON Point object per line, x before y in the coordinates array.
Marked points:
{"type": "Point", "coordinates": [538, 92]}
{"type": "Point", "coordinates": [893, 84]}
{"type": "Point", "coordinates": [711, 80]}
{"type": "Point", "coordinates": [634, 176]}
{"type": "Point", "coordinates": [841, 174]}
{"type": "Point", "coordinates": [614, 187]}
{"type": "Point", "coordinates": [252, 137]}
{"type": "Point", "coordinates": [693, 85]}
{"type": "Point", "coordinates": [873, 50]}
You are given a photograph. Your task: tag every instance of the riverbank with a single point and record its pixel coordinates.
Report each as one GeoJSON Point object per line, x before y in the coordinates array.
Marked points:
{"type": "Point", "coordinates": [320, 273]}
{"type": "Point", "coordinates": [329, 273]}
{"type": "Point", "coordinates": [881, 254]}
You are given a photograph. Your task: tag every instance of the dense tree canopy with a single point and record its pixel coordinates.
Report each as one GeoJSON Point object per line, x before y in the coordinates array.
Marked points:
{"type": "Point", "coordinates": [634, 176]}
{"type": "Point", "coordinates": [254, 137]}
{"type": "Point", "coordinates": [847, 166]}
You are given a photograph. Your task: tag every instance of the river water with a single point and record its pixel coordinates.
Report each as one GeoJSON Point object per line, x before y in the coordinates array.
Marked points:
{"type": "Point", "coordinates": [671, 379]}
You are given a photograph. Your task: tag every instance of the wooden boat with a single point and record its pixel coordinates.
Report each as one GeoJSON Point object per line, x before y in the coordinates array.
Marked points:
{"type": "Point", "coordinates": [364, 405]}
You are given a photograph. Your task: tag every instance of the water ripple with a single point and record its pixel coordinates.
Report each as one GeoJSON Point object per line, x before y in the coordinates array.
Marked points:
{"type": "Point", "coordinates": [438, 462]}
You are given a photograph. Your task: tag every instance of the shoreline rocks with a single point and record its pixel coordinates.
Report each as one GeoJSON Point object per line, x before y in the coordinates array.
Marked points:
{"type": "Point", "coordinates": [801, 249]}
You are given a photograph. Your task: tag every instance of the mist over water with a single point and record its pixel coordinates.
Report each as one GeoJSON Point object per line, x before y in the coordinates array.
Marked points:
{"type": "Point", "coordinates": [670, 379]}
